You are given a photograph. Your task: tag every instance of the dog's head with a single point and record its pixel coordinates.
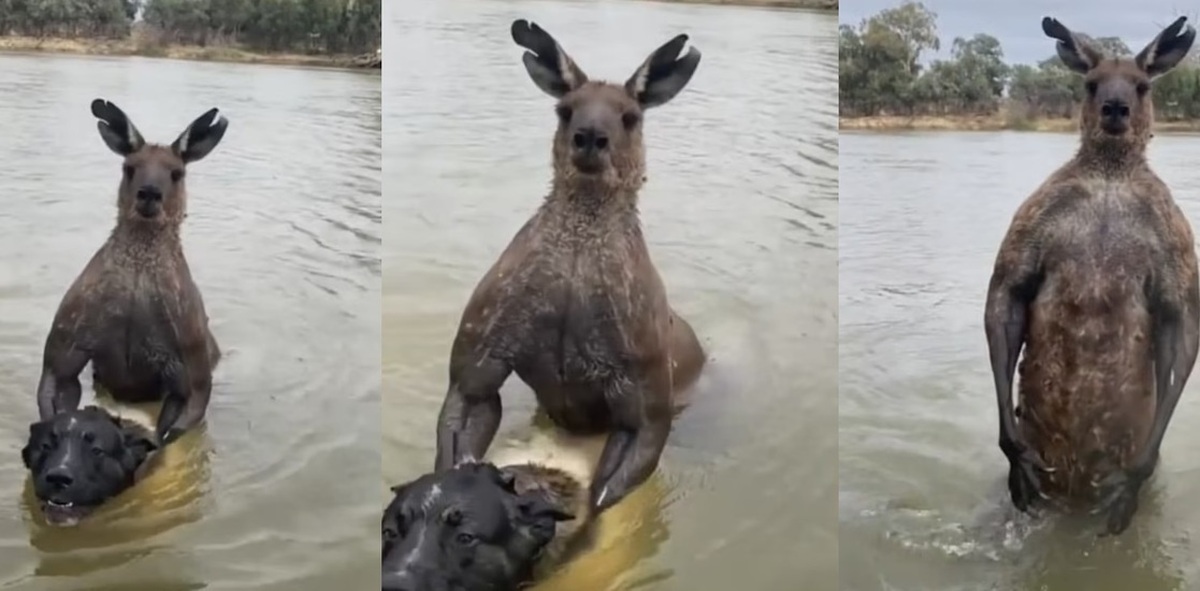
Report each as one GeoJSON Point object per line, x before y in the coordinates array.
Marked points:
{"type": "Point", "coordinates": [81, 458]}
{"type": "Point", "coordinates": [464, 529]}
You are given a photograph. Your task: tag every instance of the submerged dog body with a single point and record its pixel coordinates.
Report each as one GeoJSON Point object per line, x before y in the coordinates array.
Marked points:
{"type": "Point", "coordinates": [134, 312]}
{"type": "Point", "coordinates": [1097, 279]}
{"type": "Point", "coordinates": [479, 527]}
{"type": "Point", "coordinates": [574, 305]}
{"type": "Point", "coordinates": [79, 459]}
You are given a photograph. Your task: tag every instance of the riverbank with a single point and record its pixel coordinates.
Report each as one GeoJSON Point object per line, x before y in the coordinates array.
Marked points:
{"type": "Point", "coordinates": [797, 4]}
{"type": "Point", "coordinates": [146, 48]}
{"type": "Point", "coordinates": [996, 122]}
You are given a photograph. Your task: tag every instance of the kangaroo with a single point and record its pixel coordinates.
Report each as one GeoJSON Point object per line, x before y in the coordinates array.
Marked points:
{"type": "Point", "coordinates": [1097, 279]}
{"type": "Point", "coordinates": [134, 312]}
{"type": "Point", "coordinates": [574, 305]}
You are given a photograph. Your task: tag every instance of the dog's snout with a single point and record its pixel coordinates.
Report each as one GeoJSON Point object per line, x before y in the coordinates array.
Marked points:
{"type": "Point", "coordinates": [59, 478]}
{"type": "Point", "coordinates": [1115, 109]}
{"type": "Point", "coordinates": [590, 138]}
{"type": "Point", "coordinates": [149, 193]}
{"type": "Point", "coordinates": [398, 581]}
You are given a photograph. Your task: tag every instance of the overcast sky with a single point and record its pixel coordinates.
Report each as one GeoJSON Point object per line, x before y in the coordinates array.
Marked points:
{"type": "Point", "coordinates": [1017, 23]}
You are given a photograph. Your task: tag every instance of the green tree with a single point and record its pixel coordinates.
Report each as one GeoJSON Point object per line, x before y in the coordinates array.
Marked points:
{"type": "Point", "coordinates": [914, 25]}
{"type": "Point", "coordinates": [311, 26]}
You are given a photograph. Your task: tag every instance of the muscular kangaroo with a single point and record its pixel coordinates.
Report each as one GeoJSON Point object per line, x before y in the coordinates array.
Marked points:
{"type": "Point", "coordinates": [134, 312]}
{"type": "Point", "coordinates": [574, 305]}
{"type": "Point", "coordinates": [1097, 279]}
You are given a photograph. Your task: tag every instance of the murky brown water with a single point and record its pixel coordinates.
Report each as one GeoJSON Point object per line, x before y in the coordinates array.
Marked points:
{"type": "Point", "coordinates": [923, 504]}
{"type": "Point", "coordinates": [740, 214]}
{"type": "Point", "coordinates": [283, 239]}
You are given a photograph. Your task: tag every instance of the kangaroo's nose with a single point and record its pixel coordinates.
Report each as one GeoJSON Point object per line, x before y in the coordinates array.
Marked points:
{"type": "Point", "coordinates": [1115, 109]}
{"type": "Point", "coordinates": [149, 193]}
{"type": "Point", "coordinates": [590, 138]}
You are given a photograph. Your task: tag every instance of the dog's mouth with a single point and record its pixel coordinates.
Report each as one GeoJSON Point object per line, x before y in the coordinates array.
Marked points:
{"type": "Point", "coordinates": [64, 513]}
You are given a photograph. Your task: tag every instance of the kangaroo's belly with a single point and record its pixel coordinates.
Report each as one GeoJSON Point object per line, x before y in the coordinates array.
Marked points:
{"type": "Point", "coordinates": [1086, 384]}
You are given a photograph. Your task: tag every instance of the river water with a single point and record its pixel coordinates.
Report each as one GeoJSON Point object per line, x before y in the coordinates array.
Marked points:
{"type": "Point", "coordinates": [283, 239]}
{"type": "Point", "coordinates": [740, 214]}
{"type": "Point", "coordinates": [923, 504]}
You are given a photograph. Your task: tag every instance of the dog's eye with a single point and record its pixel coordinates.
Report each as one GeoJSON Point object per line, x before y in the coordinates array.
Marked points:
{"type": "Point", "coordinates": [466, 539]}
{"type": "Point", "coordinates": [389, 533]}
{"type": "Point", "coordinates": [99, 453]}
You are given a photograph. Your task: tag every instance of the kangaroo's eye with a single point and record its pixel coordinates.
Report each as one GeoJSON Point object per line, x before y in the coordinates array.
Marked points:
{"type": "Point", "coordinates": [128, 170]}
{"type": "Point", "coordinates": [630, 120]}
{"type": "Point", "coordinates": [1091, 87]}
{"type": "Point", "coordinates": [564, 113]}
{"type": "Point", "coordinates": [176, 176]}
{"type": "Point", "coordinates": [1143, 88]}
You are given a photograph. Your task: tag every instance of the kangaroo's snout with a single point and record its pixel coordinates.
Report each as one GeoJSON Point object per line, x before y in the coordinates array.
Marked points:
{"type": "Point", "coordinates": [1114, 116]}
{"type": "Point", "coordinates": [590, 139]}
{"type": "Point", "coordinates": [149, 201]}
{"type": "Point", "coordinates": [590, 148]}
{"type": "Point", "coordinates": [149, 193]}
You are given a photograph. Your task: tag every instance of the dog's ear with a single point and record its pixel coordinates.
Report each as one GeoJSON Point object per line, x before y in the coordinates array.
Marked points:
{"type": "Point", "coordinates": [539, 516]}
{"type": "Point", "coordinates": [535, 520]}
{"type": "Point", "coordinates": [536, 506]}
{"type": "Point", "coordinates": [139, 443]}
{"type": "Point", "coordinates": [37, 434]}
{"type": "Point", "coordinates": [399, 492]}
{"type": "Point", "coordinates": [503, 477]}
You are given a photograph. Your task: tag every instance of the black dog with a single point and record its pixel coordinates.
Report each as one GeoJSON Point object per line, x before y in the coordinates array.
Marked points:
{"type": "Point", "coordinates": [476, 527]}
{"type": "Point", "coordinates": [81, 458]}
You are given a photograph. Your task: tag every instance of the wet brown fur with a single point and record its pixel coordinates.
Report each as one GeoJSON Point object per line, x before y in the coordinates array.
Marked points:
{"type": "Point", "coordinates": [575, 306]}
{"type": "Point", "coordinates": [1100, 256]}
{"type": "Point", "coordinates": [134, 312]}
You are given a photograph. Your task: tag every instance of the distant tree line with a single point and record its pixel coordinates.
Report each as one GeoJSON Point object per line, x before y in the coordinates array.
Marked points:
{"type": "Point", "coordinates": [310, 26]}
{"type": "Point", "coordinates": [880, 73]}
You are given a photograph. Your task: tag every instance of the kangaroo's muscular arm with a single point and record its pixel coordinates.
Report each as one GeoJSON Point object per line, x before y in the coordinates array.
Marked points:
{"type": "Point", "coordinates": [642, 423]}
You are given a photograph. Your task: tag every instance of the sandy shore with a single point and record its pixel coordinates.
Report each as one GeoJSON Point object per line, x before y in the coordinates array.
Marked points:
{"type": "Point", "coordinates": [995, 122]}
{"type": "Point", "coordinates": [131, 47]}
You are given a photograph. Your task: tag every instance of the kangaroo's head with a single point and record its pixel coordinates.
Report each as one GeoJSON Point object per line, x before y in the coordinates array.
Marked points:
{"type": "Point", "coordinates": [599, 137]}
{"type": "Point", "coordinates": [152, 180]}
{"type": "Point", "coordinates": [1118, 111]}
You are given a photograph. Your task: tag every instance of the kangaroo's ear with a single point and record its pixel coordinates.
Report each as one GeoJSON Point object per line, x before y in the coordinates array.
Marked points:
{"type": "Point", "coordinates": [117, 131]}
{"type": "Point", "coordinates": [663, 74]}
{"type": "Point", "coordinates": [1167, 49]}
{"type": "Point", "coordinates": [548, 65]}
{"type": "Point", "coordinates": [199, 138]}
{"type": "Point", "coordinates": [1075, 51]}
